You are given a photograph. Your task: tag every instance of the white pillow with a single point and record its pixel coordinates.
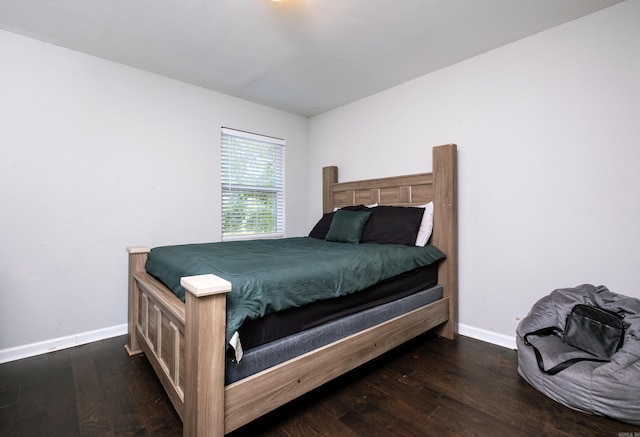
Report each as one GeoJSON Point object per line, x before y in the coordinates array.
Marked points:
{"type": "Point", "coordinates": [373, 205]}
{"type": "Point", "coordinates": [426, 225]}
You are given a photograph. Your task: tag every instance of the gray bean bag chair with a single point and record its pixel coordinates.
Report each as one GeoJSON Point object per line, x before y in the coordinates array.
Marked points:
{"type": "Point", "coordinates": [609, 389]}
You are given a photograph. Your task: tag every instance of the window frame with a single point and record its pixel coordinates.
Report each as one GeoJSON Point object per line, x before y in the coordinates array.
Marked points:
{"type": "Point", "coordinates": [253, 142]}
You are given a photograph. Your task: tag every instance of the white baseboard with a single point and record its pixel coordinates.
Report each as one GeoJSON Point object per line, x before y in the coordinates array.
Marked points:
{"type": "Point", "coordinates": [30, 350]}
{"type": "Point", "coordinates": [488, 336]}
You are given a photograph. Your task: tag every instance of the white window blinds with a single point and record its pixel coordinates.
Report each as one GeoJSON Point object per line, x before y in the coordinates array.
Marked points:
{"type": "Point", "coordinates": [252, 185]}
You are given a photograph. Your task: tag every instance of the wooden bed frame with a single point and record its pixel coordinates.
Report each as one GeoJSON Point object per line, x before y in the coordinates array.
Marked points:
{"type": "Point", "coordinates": [185, 342]}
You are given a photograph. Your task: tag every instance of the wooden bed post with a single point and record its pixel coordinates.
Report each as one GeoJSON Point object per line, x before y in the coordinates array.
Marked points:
{"type": "Point", "coordinates": [205, 311]}
{"type": "Point", "coordinates": [445, 229]}
{"type": "Point", "coordinates": [137, 259]}
{"type": "Point", "coordinates": [329, 176]}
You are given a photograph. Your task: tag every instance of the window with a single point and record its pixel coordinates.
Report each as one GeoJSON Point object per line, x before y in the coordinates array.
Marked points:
{"type": "Point", "coordinates": [252, 185]}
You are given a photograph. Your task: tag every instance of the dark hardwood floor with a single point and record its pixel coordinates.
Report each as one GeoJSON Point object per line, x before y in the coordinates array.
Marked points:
{"type": "Point", "coordinates": [430, 386]}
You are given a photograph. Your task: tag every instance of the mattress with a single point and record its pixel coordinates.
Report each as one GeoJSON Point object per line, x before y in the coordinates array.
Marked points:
{"type": "Point", "coordinates": [269, 276]}
{"type": "Point", "coordinates": [284, 323]}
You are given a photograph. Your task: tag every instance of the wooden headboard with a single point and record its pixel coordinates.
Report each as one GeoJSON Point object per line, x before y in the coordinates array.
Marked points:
{"type": "Point", "coordinates": [439, 186]}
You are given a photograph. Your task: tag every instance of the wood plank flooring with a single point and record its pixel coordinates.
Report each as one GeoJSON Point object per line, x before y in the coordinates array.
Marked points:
{"type": "Point", "coordinates": [428, 387]}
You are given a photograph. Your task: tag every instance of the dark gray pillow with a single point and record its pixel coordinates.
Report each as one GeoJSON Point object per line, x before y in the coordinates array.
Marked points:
{"type": "Point", "coordinates": [347, 226]}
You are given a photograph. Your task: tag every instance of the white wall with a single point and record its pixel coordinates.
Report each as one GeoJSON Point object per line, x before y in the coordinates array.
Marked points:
{"type": "Point", "coordinates": [549, 161]}
{"type": "Point", "coordinates": [97, 156]}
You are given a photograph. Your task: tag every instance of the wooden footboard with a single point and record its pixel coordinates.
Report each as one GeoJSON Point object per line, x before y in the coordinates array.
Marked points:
{"type": "Point", "coordinates": [189, 357]}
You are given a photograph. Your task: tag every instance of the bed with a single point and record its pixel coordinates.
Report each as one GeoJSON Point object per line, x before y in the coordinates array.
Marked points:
{"type": "Point", "coordinates": [186, 343]}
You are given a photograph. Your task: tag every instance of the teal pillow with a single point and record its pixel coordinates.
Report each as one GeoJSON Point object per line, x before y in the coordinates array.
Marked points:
{"type": "Point", "coordinates": [347, 226]}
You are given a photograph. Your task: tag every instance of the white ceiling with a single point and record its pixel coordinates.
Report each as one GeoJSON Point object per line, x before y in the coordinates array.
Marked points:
{"type": "Point", "coordinates": [301, 56]}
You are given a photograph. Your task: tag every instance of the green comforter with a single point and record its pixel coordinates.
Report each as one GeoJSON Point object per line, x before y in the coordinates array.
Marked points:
{"type": "Point", "coordinates": [273, 275]}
